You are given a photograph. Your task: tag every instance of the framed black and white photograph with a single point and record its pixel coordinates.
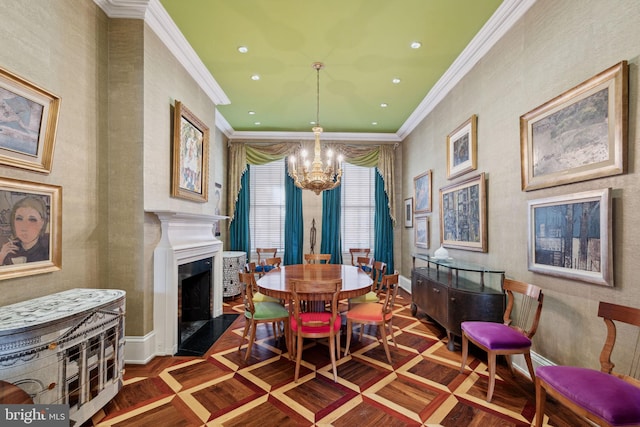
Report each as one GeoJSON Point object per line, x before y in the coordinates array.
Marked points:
{"type": "Point", "coordinates": [570, 236]}
{"type": "Point", "coordinates": [579, 135]}
{"type": "Point", "coordinates": [408, 212]}
{"type": "Point", "coordinates": [462, 148]}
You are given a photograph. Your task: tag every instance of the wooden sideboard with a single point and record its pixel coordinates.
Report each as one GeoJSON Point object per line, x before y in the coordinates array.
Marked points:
{"type": "Point", "coordinates": [65, 348]}
{"type": "Point", "coordinates": [451, 292]}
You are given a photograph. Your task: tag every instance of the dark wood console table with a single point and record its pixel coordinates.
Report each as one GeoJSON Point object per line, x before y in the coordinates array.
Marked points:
{"type": "Point", "coordinates": [451, 292]}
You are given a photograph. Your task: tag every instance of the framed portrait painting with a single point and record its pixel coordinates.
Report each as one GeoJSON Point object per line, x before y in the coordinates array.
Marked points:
{"type": "Point", "coordinates": [462, 148]}
{"type": "Point", "coordinates": [190, 166]}
{"type": "Point", "coordinates": [30, 228]}
{"type": "Point", "coordinates": [579, 135]}
{"type": "Point", "coordinates": [422, 232]}
{"type": "Point", "coordinates": [408, 212]}
{"type": "Point", "coordinates": [27, 124]}
{"type": "Point", "coordinates": [422, 192]}
{"type": "Point", "coordinates": [570, 236]}
{"type": "Point", "coordinates": [463, 216]}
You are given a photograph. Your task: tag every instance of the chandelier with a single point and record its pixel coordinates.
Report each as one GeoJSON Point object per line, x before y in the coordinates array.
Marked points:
{"type": "Point", "coordinates": [319, 177]}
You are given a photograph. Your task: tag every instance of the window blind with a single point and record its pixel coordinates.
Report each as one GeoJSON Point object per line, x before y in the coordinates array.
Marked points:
{"type": "Point", "coordinates": [358, 207]}
{"type": "Point", "coordinates": [267, 208]}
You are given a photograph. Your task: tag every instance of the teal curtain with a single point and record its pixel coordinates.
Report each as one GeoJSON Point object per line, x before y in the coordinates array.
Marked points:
{"type": "Point", "coordinates": [239, 228]}
{"type": "Point", "coordinates": [383, 226]}
{"type": "Point", "coordinates": [331, 242]}
{"type": "Point", "coordinates": [293, 221]}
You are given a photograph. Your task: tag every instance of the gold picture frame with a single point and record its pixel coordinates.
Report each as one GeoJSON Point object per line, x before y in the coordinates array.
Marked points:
{"type": "Point", "coordinates": [579, 135]}
{"type": "Point", "coordinates": [422, 192]}
{"type": "Point", "coordinates": [28, 126]}
{"type": "Point", "coordinates": [462, 146]}
{"type": "Point", "coordinates": [463, 215]}
{"type": "Point", "coordinates": [31, 230]}
{"type": "Point", "coordinates": [190, 156]}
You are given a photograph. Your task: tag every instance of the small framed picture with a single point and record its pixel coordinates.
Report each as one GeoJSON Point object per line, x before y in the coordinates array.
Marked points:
{"type": "Point", "coordinates": [422, 232]}
{"type": "Point", "coordinates": [190, 166]}
{"type": "Point", "coordinates": [30, 228]}
{"type": "Point", "coordinates": [27, 124]}
{"type": "Point", "coordinates": [408, 212]}
{"type": "Point", "coordinates": [217, 195]}
{"type": "Point", "coordinates": [462, 149]}
{"type": "Point", "coordinates": [422, 190]}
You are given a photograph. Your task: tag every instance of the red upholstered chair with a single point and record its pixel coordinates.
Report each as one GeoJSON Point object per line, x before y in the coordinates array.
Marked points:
{"type": "Point", "coordinates": [324, 324]}
{"type": "Point", "coordinates": [510, 337]}
{"type": "Point", "coordinates": [603, 397]}
{"type": "Point", "coordinates": [379, 314]}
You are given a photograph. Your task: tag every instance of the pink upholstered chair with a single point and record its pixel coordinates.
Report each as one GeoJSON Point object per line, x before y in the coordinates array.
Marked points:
{"type": "Point", "coordinates": [510, 337]}
{"type": "Point", "coordinates": [604, 397]}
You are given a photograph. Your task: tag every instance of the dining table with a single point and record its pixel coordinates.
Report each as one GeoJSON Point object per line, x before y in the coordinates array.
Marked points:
{"type": "Point", "coordinates": [277, 282]}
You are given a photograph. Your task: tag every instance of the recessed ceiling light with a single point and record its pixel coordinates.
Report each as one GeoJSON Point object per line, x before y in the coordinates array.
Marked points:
{"type": "Point", "coordinates": [255, 77]}
{"type": "Point", "coordinates": [384, 105]}
{"type": "Point", "coordinates": [374, 123]}
{"type": "Point", "coordinates": [251, 113]}
{"type": "Point", "coordinates": [257, 123]}
{"type": "Point", "coordinates": [395, 81]}
{"type": "Point", "coordinates": [415, 45]}
{"type": "Point", "coordinates": [312, 122]}
{"type": "Point", "coordinates": [243, 49]}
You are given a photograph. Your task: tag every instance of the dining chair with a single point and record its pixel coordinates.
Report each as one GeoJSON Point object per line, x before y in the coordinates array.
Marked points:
{"type": "Point", "coordinates": [365, 264]}
{"type": "Point", "coordinates": [374, 313]}
{"type": "Point", "coordinates": [273, 262]}
{"type": "Point", "coordinates": [378, 271]}
{"type": "Point", "coordinates": [510, 337]}
{"type": "Point", "coordinates": [257, 295]}
{"type": "Point", "coordinates": [603, 397]}
{"type": "Point", "coordinates": [357, 252]}
{"type": "Point", "coordinates": [322, 324]}
{"type": "Point", "coordinates": [317, 258]}
{"type": "Point", "coordinates": [263, 254]}
{"type": "Point", "coordinates": [256, 313]}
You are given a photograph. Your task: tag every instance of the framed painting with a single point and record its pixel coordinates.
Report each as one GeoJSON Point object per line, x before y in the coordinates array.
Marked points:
{"type": "Point", "coordinates": [579, 135]}
{"type": "Point", "coordinates": [30, 228]}
{"type": "Point", "coordinates": [422, 232]}
{"type": "Point", "coordinates": [27, 124]}
{"type": "Point", "coordinates": [422, 192]}
{"type": "Point", "coordinates": [408, 212]}
{"type": "Point", "coordinates": [217, 195]}
{"type": "Point", "coordinates": [570, 236]}
{"type": "Point", "coordinates": [463, 215]}
{"type": "Point", "coordinates": [461, 148]}
{"type": "Point", "coordinates": [190, 171]}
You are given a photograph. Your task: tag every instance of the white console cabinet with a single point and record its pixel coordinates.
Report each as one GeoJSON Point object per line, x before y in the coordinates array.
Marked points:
{"type": "Point", "coordinates": [65, 348]}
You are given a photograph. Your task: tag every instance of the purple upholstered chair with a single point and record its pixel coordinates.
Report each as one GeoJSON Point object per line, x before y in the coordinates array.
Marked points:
{"type": "Point", "coordinates": [604, 397]}
{"type": "Point", "coordinates": [510, 337]}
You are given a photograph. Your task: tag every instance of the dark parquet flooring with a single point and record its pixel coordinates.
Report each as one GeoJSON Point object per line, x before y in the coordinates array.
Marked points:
{"type": "Point", "coordinates": [423, 387]}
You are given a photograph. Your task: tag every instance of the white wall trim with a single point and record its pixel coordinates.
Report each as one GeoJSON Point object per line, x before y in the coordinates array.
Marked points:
{"type": "Point", "coordinates": [140, 350]}
{"type": "Point", "coordinates": [405, 283]}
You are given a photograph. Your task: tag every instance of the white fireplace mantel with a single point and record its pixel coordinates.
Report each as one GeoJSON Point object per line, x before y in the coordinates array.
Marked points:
{"type": "Point", "coordinates": [185, 238]}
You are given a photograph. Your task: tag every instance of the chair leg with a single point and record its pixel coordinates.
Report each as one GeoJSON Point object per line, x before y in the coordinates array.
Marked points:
{"type": "Point", "coordinates": [527, 358]}
{"type": "Point", "coordinates": [465, 351]}
{"type": "Point", "coordinates": [541, 397]}
{"type": "Point", "coordinates": [254, 325]}
{"type": "Point", "coordinates": [390, 325]}
{"type": "Point", "coordinates": [383, 332]}
{"type": "Point", "coordinates": [247, 322]}
{"type": "Point", "coordinates": [332, 351]}
{"type": "Point", "coordinates": [349, 327]}
{"type": "Point", "coordinates": [491, 357]}
{"type": "Point", "coordinates": [298, 357]}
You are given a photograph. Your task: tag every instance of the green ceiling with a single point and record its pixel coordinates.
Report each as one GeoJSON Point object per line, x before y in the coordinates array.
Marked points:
{"type": "Point", "coordinates": [364, 44]}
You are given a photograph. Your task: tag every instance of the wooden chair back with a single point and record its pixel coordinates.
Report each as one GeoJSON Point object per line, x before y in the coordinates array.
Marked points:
{"type": "Point", "coordinates": [250, 267]}
{"type": "Point", "coordinates": [357, 252]}
{"type": "Point", "coordinates": [249, 286]}
{"type": "Point", "coordinates": [390, 286]}
{"type": "Point", "coordinates": [317, 258]}
{"type": "Point", "coordinates": [379, 270]}
{"type": "Point", "coordinates": [264, 253]}
{"type": "Point", "coordinates": [274, 262]}
{"type": "Point", "coordinates": [529, 306]}
{"type": "Point", "coordinates": [365, 264]}
{"type": "Point", "coordinates": [631, 316]}
{"type": "Point", "coordinates": [304, 291]}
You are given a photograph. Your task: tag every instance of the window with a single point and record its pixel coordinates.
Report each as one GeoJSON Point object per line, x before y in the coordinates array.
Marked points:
{"type": "Point", "coordinates": [267, 208]}
{"type": "Point", "coordinates": [358, 207]}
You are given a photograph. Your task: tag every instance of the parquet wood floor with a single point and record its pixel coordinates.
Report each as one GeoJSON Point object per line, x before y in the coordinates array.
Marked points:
{"type": "Point", "coordinates": [423, 387]}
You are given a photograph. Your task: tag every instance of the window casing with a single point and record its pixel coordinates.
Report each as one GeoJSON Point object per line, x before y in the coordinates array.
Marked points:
{"type": "Point", "coordinates": [358, 207]}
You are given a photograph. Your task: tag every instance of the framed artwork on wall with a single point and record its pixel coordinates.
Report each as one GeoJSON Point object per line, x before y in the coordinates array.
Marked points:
{"type": "Point", "coordinates": [27, 124]}
{"type": "Point", "coordinates": [579, 135]}
{"type": "Point", "coordinates": [422, 232]}
{"type": "Point", "coordinates": [463, 216]}
{"type": "Point", "coordinates": [30, 228]}
{"type": "Point", "coordinates": [408, 212]}
{"type": "Point", "coordinates": [422, 192]}
{"type": "Point", "coordinates": [217, 197]}
{"type": "Point", "coordinates": [570, 236]}
{"type": "Point", "coordinates": [190, 165]}
{"type": "Point", "coordinates": [462, 148]}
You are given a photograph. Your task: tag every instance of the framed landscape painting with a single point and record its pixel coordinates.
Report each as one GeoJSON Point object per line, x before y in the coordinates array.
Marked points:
{"type": "Point", "coordinates": [463, 216]}
{"type": "Point", "coordinates": [570, 236]}
{"type": "Point", "coordinates": [422, 192]}
{"type": "Point", "coordinates": [462, 148]}
{"type": "Point", "coordinates": [579, 135]}
{"type": "Point", "coordinates": [30, 228]}
{"type": "Point", "coordinates": [28, 123]}
{"type": "Point", "coordinates": [190, 165]}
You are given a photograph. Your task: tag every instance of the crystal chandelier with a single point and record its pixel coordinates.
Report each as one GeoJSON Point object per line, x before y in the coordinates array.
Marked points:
{"type": "Point", "coordinates": [318, 178]}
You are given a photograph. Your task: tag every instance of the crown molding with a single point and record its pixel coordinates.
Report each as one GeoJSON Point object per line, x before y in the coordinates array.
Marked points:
{"type": "Point", "coordinates": [507, 14]}
{"type": "Point", "coordinates": [133, 9]}
{"type": "Point", "coordinates": [326, 136]}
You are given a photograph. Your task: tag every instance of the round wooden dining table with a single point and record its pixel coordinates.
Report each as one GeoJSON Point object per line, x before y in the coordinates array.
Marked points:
{"type": "Point", "coordinates": [277, 282]}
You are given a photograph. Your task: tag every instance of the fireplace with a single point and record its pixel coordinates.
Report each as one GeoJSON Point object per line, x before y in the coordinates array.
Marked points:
{"type": "Point", "coordinates": [186, 239]}
{"type": "Point", "coordinates": [195, 298]}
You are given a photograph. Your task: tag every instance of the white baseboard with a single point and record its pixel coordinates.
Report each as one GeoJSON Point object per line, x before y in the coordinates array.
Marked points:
{"type": "Point", "coordinates": [140, 350]}
{"type": "Point", "coordinates": [405, 283]}
{"type": "Point", "coordinates": [519, 364]}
